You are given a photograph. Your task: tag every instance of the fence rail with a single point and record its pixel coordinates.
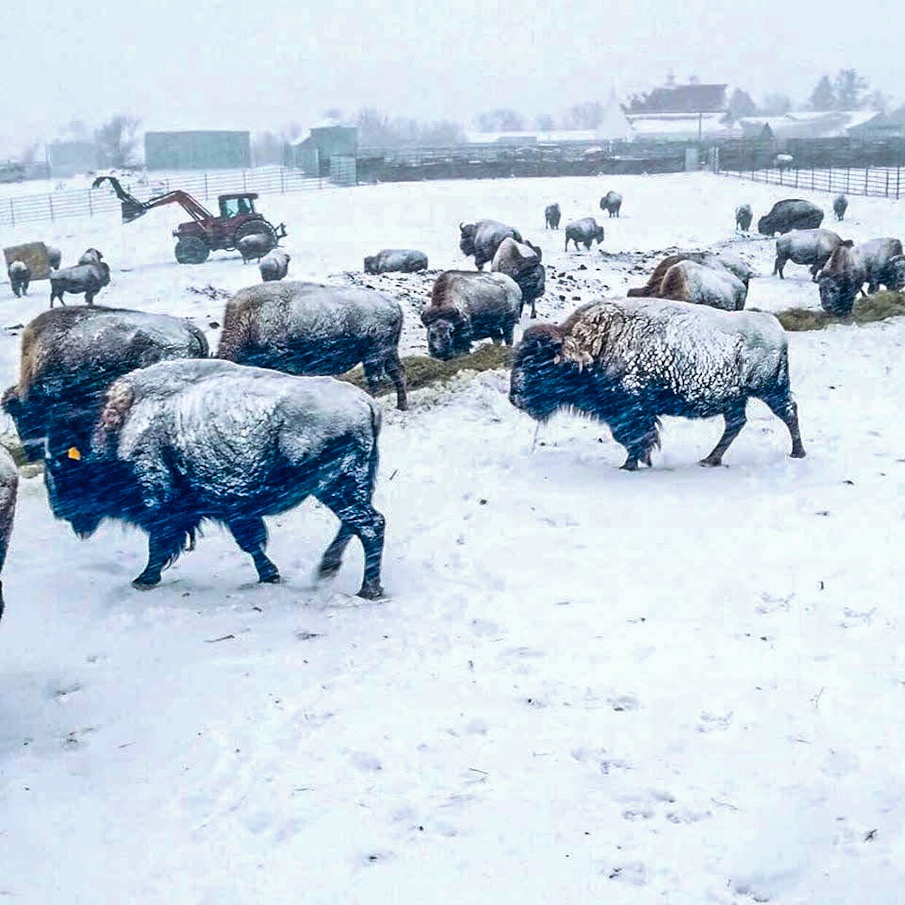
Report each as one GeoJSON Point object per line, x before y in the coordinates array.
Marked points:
{"type": "Point", "coordinates": [204, 186]}
{"type": "Point", "coordinates": [883, 182]}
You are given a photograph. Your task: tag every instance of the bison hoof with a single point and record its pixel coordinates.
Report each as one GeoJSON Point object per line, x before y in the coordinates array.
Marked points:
{"type": "Point", "coordinates": [145, 583]}
{"type": "Point", "coordinates": [328, 569]}
{"type": "Point", "coordinates": [798, 453]}
{"type": "Point", "coordinates": [269, 577]}
{"type": "Point", "coordinates": [370, 591]}
{"type": "Point", "coordinates": [629, 465]}
{"type": "Point", "coordinates": [710, 462]}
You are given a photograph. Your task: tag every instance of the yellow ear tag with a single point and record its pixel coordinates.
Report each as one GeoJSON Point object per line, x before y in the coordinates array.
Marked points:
{"type": "Point", "coordinates": [74, 453]}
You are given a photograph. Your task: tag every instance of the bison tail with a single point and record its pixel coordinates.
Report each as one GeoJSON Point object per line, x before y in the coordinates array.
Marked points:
{"type": "Point", "coordinates": [374, 463]}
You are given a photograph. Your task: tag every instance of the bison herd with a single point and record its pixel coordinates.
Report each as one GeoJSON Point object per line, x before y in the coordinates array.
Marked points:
{"type": "Point", "coordinates": [136, 422]}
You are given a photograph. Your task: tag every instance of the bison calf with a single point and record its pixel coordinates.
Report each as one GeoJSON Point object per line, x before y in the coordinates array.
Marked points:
{"type": "Point", "coordinates": [183, 442]}
{"type": "Point", "coordinates": [552, 216]}
{"type": "Point", "coordinates": [274, 265]}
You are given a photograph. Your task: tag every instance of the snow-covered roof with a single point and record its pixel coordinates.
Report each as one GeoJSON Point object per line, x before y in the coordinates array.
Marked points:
{"type": "Point", "coordinates": [680, 126]}
{"type": "Point", "coordinates": [807, 123]}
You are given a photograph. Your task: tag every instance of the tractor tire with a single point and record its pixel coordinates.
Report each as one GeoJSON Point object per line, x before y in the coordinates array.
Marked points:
{"type": "Point", "coordinates": [257, 228]}
{"type": "Point", "coordinates": [192, 250]}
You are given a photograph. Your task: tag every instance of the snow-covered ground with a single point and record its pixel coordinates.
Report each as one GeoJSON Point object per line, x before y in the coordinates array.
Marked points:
{"type": "Point", "coordinates": [680, 685]}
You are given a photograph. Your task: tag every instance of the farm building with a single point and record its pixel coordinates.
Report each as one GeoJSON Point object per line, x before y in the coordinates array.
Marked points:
{"type": "Point", "coordinates": [201, 150]}
{"type": "Point", "coordinates": [681, 113]}
{"type": "Point", "coordinates": [328, 139]}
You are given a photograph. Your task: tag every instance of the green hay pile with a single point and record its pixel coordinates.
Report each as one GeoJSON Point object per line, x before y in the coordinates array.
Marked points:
{"type": "Point", "coordinates": [421, 371]}
{"type": "Point", "coordinates": [877, 307]}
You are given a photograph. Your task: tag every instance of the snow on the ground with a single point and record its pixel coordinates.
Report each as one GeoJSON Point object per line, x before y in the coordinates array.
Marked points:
{"type": "Point", "coordinates": [680, 685]}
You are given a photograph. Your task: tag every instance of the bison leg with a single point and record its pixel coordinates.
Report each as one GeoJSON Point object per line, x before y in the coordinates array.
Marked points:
{"type": "Point", "coordinates": [360, 518]}
{"type": "Point", "coordinates": [250, 533]}
{"type": "Point", "coordinates": [396, 372]}
{"type": "Point", "coordinates": [786, 409]}
{"type": "Point", "coordinates": [163, 547]}
{"type": "Point", "coordinates": [735, 421]}
{"type": "Point", "coordinates": [637, 432]}
{"type": "Point", "coordinates": [778, 266]}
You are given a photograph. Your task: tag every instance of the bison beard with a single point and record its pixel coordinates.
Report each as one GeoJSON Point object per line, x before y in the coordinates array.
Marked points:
{"type": "Point", "coordinates": [172, 448]}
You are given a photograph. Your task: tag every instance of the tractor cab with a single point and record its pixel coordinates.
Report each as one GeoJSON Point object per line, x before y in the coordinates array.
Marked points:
{"type": "Point", "coordinates": [236, 205]}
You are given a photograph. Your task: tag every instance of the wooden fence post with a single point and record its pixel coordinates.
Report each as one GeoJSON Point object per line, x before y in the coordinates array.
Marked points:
{"type": "Point", "coordinates": [50, 203]}
{"type": "Point", "coordinates": [90, 206]}
{"type": "Point", "coordinates": [12, 212]}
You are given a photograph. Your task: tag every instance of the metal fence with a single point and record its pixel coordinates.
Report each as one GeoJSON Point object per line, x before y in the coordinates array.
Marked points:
{"type": "Point", "coordinates": [204, 186]}
{"type": "Point", "coordinates": [885, 182]}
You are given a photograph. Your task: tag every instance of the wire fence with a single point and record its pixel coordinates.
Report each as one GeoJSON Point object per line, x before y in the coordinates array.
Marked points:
{"type": "Point", "coordinates": [883, 182]}
{"type": "Point", "coordinates": [204, 186]}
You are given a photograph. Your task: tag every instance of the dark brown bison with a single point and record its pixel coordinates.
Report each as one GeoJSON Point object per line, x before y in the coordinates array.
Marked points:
{"type": "Point", "coordinates": [793, 213]}
{"type": "Point", "coordinates": [71, 355]}
{"type": "Point", "coordinates": [522, 262]}
{"type": "Point", "coordinates": [552, 215]}
{"type": "Point", "coordinates": [586, 231]}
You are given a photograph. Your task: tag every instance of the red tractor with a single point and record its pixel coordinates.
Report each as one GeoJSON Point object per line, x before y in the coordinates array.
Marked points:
{"type": "Point", "coordinates": [205, 232]}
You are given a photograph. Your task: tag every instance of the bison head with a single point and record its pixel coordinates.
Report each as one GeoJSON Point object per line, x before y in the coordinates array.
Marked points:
{"type": "Point", "coordinates": [545, 372]}
{"type": "Point", "coordinates": [28, 418]}
{"type": "Point", "coordinates": [84, 484]}
{"type": "Point", "coordinates": [448, 332]}
{"type": "Point", "coordinates": [466, 240]}
{"type": "Point", "coordinates": [371, 264]}
{"type": "Point", "coordinates": [837, 293]}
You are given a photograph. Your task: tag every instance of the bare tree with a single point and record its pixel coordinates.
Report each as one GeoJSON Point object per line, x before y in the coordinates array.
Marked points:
{"type": "Point", "coordinates": [500, 120]}
{"type": "Point", "coordinates": [117, 141]}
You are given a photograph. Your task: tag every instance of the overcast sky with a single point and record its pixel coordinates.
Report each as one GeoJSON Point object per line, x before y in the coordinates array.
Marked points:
{"type": "Point", "coordinates": [181, 64]}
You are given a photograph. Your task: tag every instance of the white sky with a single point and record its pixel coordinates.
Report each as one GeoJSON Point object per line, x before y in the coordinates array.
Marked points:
{"type": "Point", "coordinates": [217, 64]}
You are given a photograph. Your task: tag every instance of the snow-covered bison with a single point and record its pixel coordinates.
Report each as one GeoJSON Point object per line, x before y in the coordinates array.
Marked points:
{"type": "Point", "coordinates": [725, 262]}
{"type": "Point", "coordinates": [522, 262]}
{"type": "Point", "coordinates": [396, 260]}
{"type": "Point", "coordinates": [54, 257]}
{"type": "Point", "coordinates": [841, 280]}
{"type": "Point", "coordinates": [700, 284]}
{"type": "Point", "coordinates": [19, 274]}
{"type": "Point", "coordinates": [840, 206]}
{"type": "Point", "coordinates": [182, 442]}
{"type": "Point", "coordinates": [71, 355]}
{"type": "Point", "coordinates": [483, 238]}
{"type": "Point", "coordinates": [805, 246]}
{"type": "Point", "coordinates": [9, 487]}
{"type": "Point", "coordinates": [552, 216]}
{"type": "Point", "coordinates": [875, 262]}
{"type": "Point", "coordinates": [274, 265]}
{"type": "Point", "coordinates": [611, 202]}
{"type": "Point", "coordinates": [793, 213]}
{"type": "Point", "coordinates": [743, 217]}
{"type": "Point", "coordinates": [87, 279]}
{"type": "Point", "coordinates": [315, 330]}
{"type": "Point", "coordinates": [254, 247]}
{"type": "Point", "coordinates": [586, 231]}
{"type": "Point", "coordinates": [467, 306]}
{"type": "Point", "coordinates": [629, 362]}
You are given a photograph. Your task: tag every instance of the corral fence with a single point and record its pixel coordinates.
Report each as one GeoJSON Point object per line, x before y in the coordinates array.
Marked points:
{"type": "Point", "coordinates": [885, 182]}
{"type": "Point", "coordinates": [88, 202]}
{"type": "Point", "coordinates": [500, 160]}
{"type": "Point", "coordinates": [854, 166]}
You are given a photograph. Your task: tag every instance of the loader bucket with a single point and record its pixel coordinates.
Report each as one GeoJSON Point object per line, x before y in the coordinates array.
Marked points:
{"type": "Point", "coordinates": [132, 211]}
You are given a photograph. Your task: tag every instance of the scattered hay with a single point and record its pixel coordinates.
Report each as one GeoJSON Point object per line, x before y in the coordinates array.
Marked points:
{"type": "Point", "coordinates": [421, 371]}
{"type": "Point", "coordinates": [877, 307]}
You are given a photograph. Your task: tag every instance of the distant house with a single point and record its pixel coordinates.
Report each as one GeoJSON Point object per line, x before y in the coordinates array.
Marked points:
{"type": "Point", "coordinates": [687, 113]}
{"type": "Point", "coordinates": [198, 150]}
{"type": "Point", "coordinates": [326, 140]}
